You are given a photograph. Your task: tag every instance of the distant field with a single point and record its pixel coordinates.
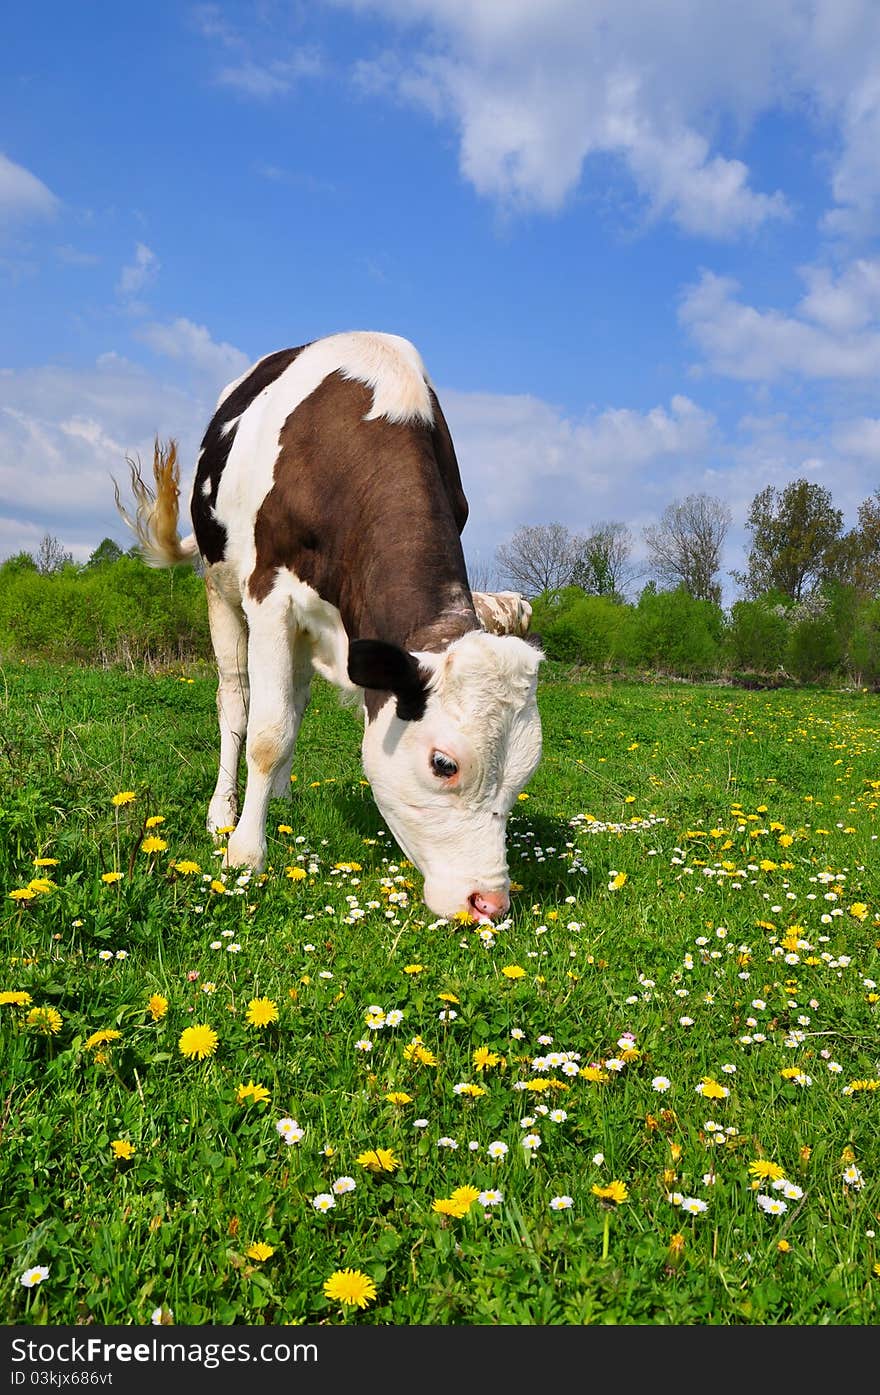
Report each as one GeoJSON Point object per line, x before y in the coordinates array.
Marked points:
{"type": "Point", "coordinates": [650, 1097]}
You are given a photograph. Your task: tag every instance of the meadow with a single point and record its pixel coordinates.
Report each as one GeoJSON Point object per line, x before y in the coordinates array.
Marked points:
{"type": "Point", "coordinates": [651, 1095]}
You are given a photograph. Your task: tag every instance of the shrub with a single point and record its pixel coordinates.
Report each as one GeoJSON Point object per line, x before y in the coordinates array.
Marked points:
{"type": "Point", "coordinates": [757, 635]}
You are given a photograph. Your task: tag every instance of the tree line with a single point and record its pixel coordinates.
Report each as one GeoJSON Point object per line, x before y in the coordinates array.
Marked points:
{"type": "Point", "coordinates": [797, 545]}
{"type": "Point", "coordinates": [809, 607]}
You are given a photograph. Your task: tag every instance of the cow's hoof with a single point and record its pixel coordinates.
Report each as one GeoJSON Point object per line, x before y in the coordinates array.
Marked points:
{"type": "Point", "coordinates": [241, 853]}
{"type": "Point", "coordinates": [221, 820]}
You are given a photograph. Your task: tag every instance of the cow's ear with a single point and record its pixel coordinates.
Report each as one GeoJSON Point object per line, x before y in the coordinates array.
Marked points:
{"type": "Point", "coordinates": [374, 664]}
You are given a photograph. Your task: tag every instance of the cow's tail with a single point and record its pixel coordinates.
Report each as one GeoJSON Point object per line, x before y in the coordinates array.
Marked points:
{"type": "Point", "coordinates": [155, 521]}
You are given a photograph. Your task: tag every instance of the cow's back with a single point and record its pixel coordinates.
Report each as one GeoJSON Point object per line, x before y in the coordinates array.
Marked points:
{"type": "Point", "coordinates": [334, 463]}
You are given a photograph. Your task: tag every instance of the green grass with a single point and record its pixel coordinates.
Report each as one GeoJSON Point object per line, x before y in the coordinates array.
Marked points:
{"type": "Point", "coordinates": [697, 930]}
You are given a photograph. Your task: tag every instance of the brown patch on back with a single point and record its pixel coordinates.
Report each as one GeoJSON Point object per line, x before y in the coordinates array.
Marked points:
{"type": "Point", "coordinates": [369, 514]}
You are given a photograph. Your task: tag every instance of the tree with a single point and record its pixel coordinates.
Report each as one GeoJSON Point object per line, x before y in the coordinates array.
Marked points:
{"type": "Point", "coordinates": [106, 551]}
{"type": "Point", "coordinates": [794, 537]}
{"type": "Point", "coordinates": [602, 566]}
{"type": "Point", "coordinates": [539, 557]}
{"type": "Point", "coordinates": [855, 558]}
{"type": "Point", "coordinates": [481, 574]}
{"type": "Point", "coordinates": [20, 562]}
{"type": "Point", "coordinates": [51, 556]}
{"type": "Point", "coordinates": [684, 549]}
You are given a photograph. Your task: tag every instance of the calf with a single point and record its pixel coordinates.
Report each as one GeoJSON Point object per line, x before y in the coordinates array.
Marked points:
{"type": "Point", "coordinates": [327, 509]}
{"type": "Point", "coordinates": [503, 612]}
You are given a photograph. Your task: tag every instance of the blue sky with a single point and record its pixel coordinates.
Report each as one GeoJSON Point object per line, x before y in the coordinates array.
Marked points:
{"type": "Point", "coordinates": [636, 244]}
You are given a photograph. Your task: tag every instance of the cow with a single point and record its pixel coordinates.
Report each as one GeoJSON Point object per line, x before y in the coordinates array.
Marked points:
{"type": "Point", "coordinates": [503, 612]}
{"type": "Point", "coordinates": [327, 510]}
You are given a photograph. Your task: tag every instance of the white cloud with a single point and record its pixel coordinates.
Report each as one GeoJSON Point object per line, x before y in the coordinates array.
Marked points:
{"type": "Point", "coordinates": [270, 79]}
{"type": "Point", "coordinates": [524, 461]}
{"type": "Point", "coordinates": [22, 194]}
{"type": "Point", "coordinates": [536, 90]}
{"type": "Point", "coordinates": [192, 343]}
{"type": "Point", "coordinates": [64, 433]}
{"type": "Point", "coordinates": [860, 438]}
{"type": "Point", "coordinates": [835, 332]}
{"type": "Point", "coordinates": [139, 272]}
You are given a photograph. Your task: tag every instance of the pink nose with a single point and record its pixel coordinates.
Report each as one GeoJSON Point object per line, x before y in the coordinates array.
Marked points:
{"type": "Point", "coordinates": [486, 905]}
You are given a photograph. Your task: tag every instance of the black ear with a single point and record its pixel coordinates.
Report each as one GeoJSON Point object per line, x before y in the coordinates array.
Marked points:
{"type": "Point", "coordinates": [374, 664]}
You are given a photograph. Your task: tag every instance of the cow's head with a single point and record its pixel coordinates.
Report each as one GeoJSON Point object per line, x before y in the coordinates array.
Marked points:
{"type": "Point", "coordinates": [447, 753]}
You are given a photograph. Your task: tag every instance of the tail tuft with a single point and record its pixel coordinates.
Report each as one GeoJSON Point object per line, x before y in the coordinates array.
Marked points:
{"type": "Point", "coordinates": [155, 520]}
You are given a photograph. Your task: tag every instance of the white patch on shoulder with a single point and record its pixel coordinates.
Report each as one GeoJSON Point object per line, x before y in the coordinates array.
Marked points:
{"type": "Point", "coordinates": [393, 368]}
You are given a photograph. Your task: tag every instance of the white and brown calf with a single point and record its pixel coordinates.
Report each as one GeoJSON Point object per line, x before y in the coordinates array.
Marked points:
{"type": "Point", "coordinates": [327, 508]}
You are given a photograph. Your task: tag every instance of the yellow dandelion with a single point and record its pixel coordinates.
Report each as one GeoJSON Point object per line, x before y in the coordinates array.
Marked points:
{"type": "Point", "coordinates": [618, 881]}
{"type": "Point", "coordinates": [45, 861]}
{"type": "Point", "coordinates": [615, 1191]}
{"type": "Point", "coordinates": [474, 1091]}
{"type": "Point", "coordinates": [711, 1090]}
{"type": "Point", "coordinates": [123, 797]}
{"type": "Point", "coordinates": [765, 1170]}
{"type": "Point", "coordinates": [101, 1038]}
{"type": "Point", "coordinates": [153, 845]}
{"type": "Point", "coordinates": [258, 1093]}
{"type": "Point", "coordinates": [348, 867]}
{"type": "Point", "coordinates": [260, 1251]}
{"type": "Point", "coordinates": [449, 998]}
{"type": "Point", "coordinates": [446, 1206]}
{"type": "Point", "coordinates": [122, 1149]}
{"type": "Point", "coordinates": [157, 1006]}
{"type": "Point", "coordinates": [154, 820]}
{"type": "Point", "coordinates": [199, 1041]}
{"type": "Point", "coordinates": [858, 910]}
{"type": "Point", "coordinates": [594, 1073]}
{"type": "Point", "coordinates": [44, 1019]}
{"type": "Point", "coordinates": [398, 1097]}
{"type": "Point", "coordinates": [466, 1196]}
{"type": "Point", "coordinates": [416, 1051]}
{"type": "Point", "coordinates": [111, 877]}
{"type": "Point", "coordinates": [414, 968]}
{"type": "Point", "coordinates": [187, 868]}
{"type": "Point", "coordinates": [218, 887]}
{"type": "Point", "coordinates": [295, 874]}
{"type": "Point", "coordinates": [378, 1160]}
{"type": "Point", "coordinates": [513, 971]}
{"type": "Point", "coordinates": [350, 1287]}
{"type": "Point", "coordinates": [22, 893]}
{"type": "Point", "coordinates": [41, 885]}
{"type": "Point", "coordinates": [15, 998]}
{"type": "Point", "coordinates": [483, 1058]}
{"type": "Point", "coordinates": [260, 1012]}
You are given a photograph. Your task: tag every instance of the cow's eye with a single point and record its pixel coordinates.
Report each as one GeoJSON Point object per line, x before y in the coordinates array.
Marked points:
{"type": "Point", "coordinates": [443, 766]}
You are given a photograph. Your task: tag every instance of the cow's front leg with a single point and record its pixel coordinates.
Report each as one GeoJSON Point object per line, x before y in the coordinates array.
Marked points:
{"type": "Point", "coordinates": [229, 638]}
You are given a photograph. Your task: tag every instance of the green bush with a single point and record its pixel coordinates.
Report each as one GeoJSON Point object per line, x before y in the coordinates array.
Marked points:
{"type": "Point", "coordinates": [814, 650]}
{"type": "Point", "coordinates": [863, 649]}
{"type": "Point", "coordinates": [674, 633]}
{"type": "Point", "coordinates": [119, 612]}
{"type": "Point", "coordinates": [581, 629]}
{"type": "Point", "coordinates": [757, 635]}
